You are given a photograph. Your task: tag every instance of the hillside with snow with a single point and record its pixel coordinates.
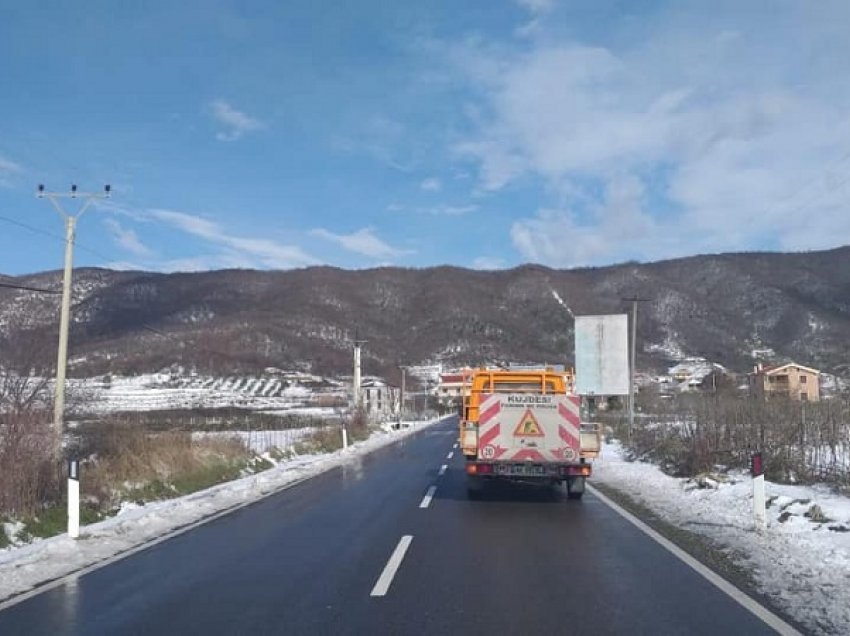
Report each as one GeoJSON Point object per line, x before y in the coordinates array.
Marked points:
{"type": "Point", "coordinates": [732, 309]}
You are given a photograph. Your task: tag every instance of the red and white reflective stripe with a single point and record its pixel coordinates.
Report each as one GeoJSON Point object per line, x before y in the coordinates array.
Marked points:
{"type": "Point", "coordinates": [530, 454]}
{"type": "Point", "coordinates": [487, 437]}
{"type": "Point", "coordinates": [569, 432]}
{"type": "Point", "coordinates": [488, 410]}
{"type": "Point", "coordinates": [489, 427]}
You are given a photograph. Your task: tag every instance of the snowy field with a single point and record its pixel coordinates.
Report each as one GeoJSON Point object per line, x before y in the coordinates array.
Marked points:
{"type": "Point", "coordinates": [802, 560]}
{"type": "Point", "coordinates": [163, 391]}
{"type": "Point", "coordinates": [25, 567]}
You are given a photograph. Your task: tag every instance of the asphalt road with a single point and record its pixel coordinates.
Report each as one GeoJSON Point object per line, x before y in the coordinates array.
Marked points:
{"type": "Point", "coordinates": [307, 561]}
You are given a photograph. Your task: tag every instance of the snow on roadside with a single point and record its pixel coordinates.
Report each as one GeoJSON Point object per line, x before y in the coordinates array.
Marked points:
{"type": "Point", "coordinates": [24, 568]}
{"type": "Point", "coordinates": [803, 566]}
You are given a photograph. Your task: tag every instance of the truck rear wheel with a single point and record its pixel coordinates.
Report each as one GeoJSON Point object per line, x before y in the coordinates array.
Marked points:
{"type": "Point", "coordinates": [474, 487]}
{"type": "Point", "coordinates": [575, 488]}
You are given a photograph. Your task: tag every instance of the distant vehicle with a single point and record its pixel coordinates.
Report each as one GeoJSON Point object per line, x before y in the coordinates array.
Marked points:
{"type": "Point", "coordinates": [523, 426]}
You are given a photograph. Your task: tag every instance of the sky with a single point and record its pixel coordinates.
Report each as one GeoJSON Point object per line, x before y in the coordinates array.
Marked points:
{"type": "Point", "coordinates": [477, 133]}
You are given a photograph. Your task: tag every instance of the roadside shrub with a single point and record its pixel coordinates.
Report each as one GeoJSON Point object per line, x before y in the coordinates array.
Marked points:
{"type": "Point", "coordinates": [32, 472]}
{"type": "Point", "coordinates": [125, 461]}
{"type": "Point", "coordinates": [800, 441]}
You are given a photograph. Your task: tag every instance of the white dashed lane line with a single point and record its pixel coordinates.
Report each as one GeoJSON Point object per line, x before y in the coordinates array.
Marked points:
{"type": "Point", "coordinates": [426, 500]}
{"type": "Point", "coordinates": [450, 455]}
{"type": "Point", "coordinates": [455, 446]}
{"type": "Point", "coordinates": [390, 569]}
{"type": "Point", "coordinates": [442, 470]}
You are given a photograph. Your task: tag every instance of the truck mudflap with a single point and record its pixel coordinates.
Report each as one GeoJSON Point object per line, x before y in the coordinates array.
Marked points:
{"type": "Point", "coordinates": [527, 470]}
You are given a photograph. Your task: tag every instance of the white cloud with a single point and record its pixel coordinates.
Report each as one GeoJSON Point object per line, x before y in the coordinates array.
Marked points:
{"type": "Point", "coordinates": [719, 129]}
{"type": "Point", "coordinates": [450, 210]}
{"type": "Point", "coordinates": [488, 263]}
{"type": "Point", "coordinates": [6, 165]}
{"type": "Point", "coordinates": [236, 251]}
{"type": "Point", "coordinates": [537, 6]}
{"type": "Point", "coordinates": [8, 170]}
{"type": "Point", "coordinates": [363, 242]}
{"type": "Point", "coordinates": [127, 239]}
{"type": "Point", "coordinates": [385, 140]}
{"type": "Point", "coordinates": [235, 122]}
{"type": "Point", "coordinates": [191, 223]}
{"type": "Point", "coordinates": [431, 184]}
{"type": "Point", "coordinates": [617, 229]}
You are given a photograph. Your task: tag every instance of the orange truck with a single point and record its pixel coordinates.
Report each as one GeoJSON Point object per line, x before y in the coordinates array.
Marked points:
{"type": "Point", "coordinates": [524, 426]}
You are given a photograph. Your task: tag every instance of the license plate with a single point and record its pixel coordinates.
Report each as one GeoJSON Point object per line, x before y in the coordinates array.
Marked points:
{"type": "Point", "coordinates": [520, 470]}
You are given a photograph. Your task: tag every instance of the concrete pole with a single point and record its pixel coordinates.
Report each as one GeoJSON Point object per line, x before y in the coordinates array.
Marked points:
{"type": "Point", "coordinates": [64, 320]}
{"type": "Point", "coordinates": [632, 369]}
{"type": "Point", "coordinates": [64, 317]}
{"type": "Point", "coordinates": [356, 381]}
{"type": "Point", "coordinates": [403, 383]}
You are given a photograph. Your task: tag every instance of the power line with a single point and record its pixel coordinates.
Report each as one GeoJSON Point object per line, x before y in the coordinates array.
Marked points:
{"type": "Point", "coordinates": [32, 289]}
{"type": "Point", "coordinates": [37, 230]}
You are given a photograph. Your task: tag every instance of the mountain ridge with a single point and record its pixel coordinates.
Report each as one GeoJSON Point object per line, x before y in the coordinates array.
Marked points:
{"type": "Point", "coordinates": [720, 306]}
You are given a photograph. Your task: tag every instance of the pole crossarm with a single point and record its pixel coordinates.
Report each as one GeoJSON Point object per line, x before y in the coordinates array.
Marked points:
{"type": "Point", "coordinates": [87, 199]}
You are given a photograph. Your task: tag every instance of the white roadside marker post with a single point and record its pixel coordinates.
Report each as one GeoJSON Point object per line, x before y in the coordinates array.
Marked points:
{"type": "Point", "coordinates": [74, 498]}
{"type": "Point", "coordinates": [759, 500]}
{"type": "Point", "coordinates": [344, 437]}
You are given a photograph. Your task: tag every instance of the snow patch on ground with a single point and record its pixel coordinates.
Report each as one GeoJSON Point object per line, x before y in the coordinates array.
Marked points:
{"type": "Point", "coordinates": [804, 566]}
{"type": "Point", "coordinates": [166, 391]}
{"type": "Point", "coordinates": [23, 568]}
{"type": "Point", "coordinates": [561, 302]}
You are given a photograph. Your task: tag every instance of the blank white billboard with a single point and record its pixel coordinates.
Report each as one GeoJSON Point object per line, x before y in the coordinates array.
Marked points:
{"type": "Point", "coordinates": [602, 355]}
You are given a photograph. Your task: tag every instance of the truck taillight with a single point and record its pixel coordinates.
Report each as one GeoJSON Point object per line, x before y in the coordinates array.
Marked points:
{"type": "Point", "coordinates": [583, 470]}
{"type": "Point", "coordinates": [479, 469]}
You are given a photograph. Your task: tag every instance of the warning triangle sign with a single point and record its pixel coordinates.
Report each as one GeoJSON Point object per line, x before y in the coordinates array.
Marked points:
{"type": "Point", "coordinates": [528, 426]}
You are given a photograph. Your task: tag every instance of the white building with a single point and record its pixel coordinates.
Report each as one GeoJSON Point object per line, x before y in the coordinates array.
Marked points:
{"type": "Point", "coordinates": [380, 399]}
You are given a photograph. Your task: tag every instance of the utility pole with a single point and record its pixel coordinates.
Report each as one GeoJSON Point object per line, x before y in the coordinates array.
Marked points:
{"type": "Point", "coordinates": [87, 199]}
{"type": "Point", "coordinates": [634, 300]}
{"type": "Point", "coordinates": [402, 397]}
{"type": "Point", "coordinates": [356, 380]}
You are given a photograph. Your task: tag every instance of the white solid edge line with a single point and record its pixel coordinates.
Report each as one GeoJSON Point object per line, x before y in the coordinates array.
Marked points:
{"type": "Point", "coordinates": [712, 577]}
{"type": "Point", "coordinates": [64, 578]}
{"type": "Point", "coordinates": [450, 455]}
{"type": "Point", "coordinates": [390, 569]}
{"type": "Point", "coordinates": [443, 470]}
{"type": "Point", "coordinates": [426, 500]}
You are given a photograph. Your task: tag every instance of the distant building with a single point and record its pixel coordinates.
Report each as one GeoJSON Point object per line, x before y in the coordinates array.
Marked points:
{"type": "Point", "coordinates": [451, 386]}
{"type": "Point", "coordinates": [790, 380]}
{"type": "Point", "coordinates": [380, 400]}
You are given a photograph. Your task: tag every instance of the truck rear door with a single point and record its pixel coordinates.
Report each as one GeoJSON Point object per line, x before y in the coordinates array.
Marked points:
{"type": "Point", "coordinates": [514, 427]}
